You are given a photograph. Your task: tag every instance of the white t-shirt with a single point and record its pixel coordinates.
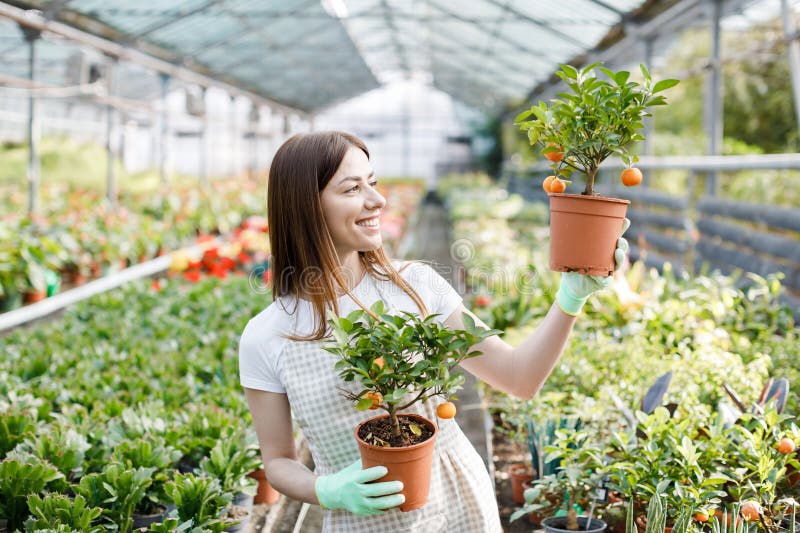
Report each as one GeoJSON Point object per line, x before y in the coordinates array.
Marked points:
{"type": "Point", "coordinates": [264, 338]}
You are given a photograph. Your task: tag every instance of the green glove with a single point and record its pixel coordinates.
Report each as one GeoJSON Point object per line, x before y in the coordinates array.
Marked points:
{"type": "Point", "coordinates": [576, 288]}
{"type": "Point", "coordinates": [349, 489]}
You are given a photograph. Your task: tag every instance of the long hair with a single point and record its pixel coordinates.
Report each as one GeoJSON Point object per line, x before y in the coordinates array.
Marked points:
{"type": "Point", "coordinates": [304, 259]}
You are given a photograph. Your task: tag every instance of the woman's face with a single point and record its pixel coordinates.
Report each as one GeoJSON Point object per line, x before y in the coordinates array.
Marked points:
{"type": "Point", "coordinates": [352, 206]}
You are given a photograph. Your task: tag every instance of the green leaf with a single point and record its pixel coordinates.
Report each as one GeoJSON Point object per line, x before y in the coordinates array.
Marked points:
{"type": "Point", "coordinates": [645, 72]}
{"type": "Point", "coordinates": [621, 77]}
{"type": "Point", "coordinates": [570, 71]}
{"type": "Point", "coordinates": [522, 116]}
{"type": "Point", "coordinates": [364, 404]}
{"type": "Point", "coordinates": [663, 85]}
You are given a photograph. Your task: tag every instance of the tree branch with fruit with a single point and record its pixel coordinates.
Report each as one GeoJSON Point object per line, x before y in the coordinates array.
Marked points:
{"type": "Point", "coordinates": [401, 359]}
{"type": "Point", "coordinates": [597, 119]}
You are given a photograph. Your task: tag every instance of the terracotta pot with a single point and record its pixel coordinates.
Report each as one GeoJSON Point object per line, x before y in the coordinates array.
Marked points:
{"type": "Point", "coordinates": [31, 297]}
{"type": "Point", "coordinates": [584, 232]}
{"type": "Point", "coordinates": [520, 474]}
{"type": "Point", "coordinates": [265, 493]}
{"type": "Point", "coordinates": [409, 464]}
{"type": "Point", "coordinates": [558, 524]}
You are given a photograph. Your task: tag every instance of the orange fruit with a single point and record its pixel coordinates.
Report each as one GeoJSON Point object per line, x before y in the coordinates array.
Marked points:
{"type": "Point", "coordinates": [750, 510]}
{"type": "Point", "coordinates": [546, 184]}
{"type": "Point", "coordinates": [631, 176]}
{"type": "Point", "coordinates": [379, 362]}
{"type": "Point", "coordinates": [701, 516]}
{"type": "Point", "coordinates": [557, 185]}
{"type": "Point", "coordinates": [556, 156]}
{"type": "Point", "coordinates": [376, 397]}
{"type": "Point", "coordinates": [446, 410]}
{"type": "Point", "coordinates": [786, 445]}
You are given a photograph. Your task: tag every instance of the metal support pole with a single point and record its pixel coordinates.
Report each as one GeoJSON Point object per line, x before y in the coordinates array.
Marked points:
{"type": "Point", "coordinates": [203, 133]}
{"type": "Point", "coordinates": [793, 49]}
{"type": "Point", "coordinates": [406, 138]}
{"type": "Point", "coordinates": [163, 138]}
{"type": "Point", "coordinates": [111, 185]}
{"type": "Point", "coordinates": [714, 93]}
{"type": "Point", "coordinates": [253, 121]}
{"type": "Point", "coordinates": [34, 167]}
{"type": "Point", "coordinates": [234, 160]}
{"type": "Point", "coordinates": [649, 129]}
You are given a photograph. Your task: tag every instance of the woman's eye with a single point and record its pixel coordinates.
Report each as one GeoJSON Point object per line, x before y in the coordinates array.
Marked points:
{"type": "Point", "coordinates": [374, 183]}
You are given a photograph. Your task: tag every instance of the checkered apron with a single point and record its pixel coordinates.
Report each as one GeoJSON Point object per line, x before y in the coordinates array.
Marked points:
{"type": "Point", "coordinates": [461, 498]}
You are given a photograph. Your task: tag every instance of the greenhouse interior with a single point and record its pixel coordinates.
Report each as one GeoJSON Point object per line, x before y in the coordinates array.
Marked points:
{"type": "Point", "coordinates": [545, 275]}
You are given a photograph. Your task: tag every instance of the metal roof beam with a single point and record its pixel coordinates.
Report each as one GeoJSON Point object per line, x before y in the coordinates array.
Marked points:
{"type": "Point", "coordinates": [506, 40]}
{"type": "Point", "coordinates": [179, 17]}
{"type": "Point", "coordinates": [133, 55]}
{"type": "Point", "coordinates": [205, 47]}
{"type": "Point", "coordinates": [484, 67]}
{"type": "Point", "coordinates": [609, 7]}
{"type": "Point", "coordinates": [490, 83]}
{"type": "Point", "coordinates": [401, 55]}
{"type": "Point", "coordinates": [524, 16]}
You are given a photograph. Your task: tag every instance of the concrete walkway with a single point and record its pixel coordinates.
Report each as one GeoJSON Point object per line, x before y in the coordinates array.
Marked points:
{"type": "Point", "coordinates": [429, 241]}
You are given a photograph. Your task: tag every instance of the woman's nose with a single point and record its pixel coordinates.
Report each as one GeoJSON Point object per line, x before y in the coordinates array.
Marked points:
{"type": "Point", "coordinates": [375, 200]}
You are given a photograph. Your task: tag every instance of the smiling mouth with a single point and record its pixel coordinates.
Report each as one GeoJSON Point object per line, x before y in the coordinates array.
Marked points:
{"type": "Point", "coordinates": [369, 223]}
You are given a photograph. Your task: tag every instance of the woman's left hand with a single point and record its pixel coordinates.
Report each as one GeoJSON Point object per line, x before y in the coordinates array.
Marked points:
{"type": "Point", "coordinates": [575, 288]}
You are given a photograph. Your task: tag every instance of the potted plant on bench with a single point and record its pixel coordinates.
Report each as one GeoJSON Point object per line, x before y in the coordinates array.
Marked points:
{"type": "Point", "coordinates": [401, 360]}
{"type": "Point", "coordinates": [578, 131]}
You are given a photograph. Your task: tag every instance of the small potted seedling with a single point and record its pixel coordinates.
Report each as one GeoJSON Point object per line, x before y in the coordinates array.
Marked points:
{"type": "Point", "coordinates": [577, 131]}
{"type": "Point", "coordinates": [401, 360]}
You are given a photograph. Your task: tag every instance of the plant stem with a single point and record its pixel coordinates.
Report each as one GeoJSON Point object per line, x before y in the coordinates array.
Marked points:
{"type": "Point", "coordinates": [395, 420]}
{"type": "Point", "coordinates": [591, 172]}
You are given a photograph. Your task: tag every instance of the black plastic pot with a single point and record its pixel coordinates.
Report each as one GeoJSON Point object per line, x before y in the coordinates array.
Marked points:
{"type": "Point", "coordinates": [144, 520]}
{"type": "Point", "coordinates": [558, 524]}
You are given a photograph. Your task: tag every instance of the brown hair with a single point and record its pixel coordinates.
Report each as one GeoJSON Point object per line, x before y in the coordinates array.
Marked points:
{"type": "Point", "coordinates": [303, 253]}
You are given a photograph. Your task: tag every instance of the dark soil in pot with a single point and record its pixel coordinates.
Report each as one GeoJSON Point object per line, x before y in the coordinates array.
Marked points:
{"type": "Point", "coordinates": [379, 431]}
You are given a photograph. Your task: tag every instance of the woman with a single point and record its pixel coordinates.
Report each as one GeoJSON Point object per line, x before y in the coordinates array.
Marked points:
{"type": "Point", "coordinates": [324, 214]}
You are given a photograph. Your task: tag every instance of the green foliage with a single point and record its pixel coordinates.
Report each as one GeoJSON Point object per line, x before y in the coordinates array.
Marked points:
{"type": "Point", "coordinates": [15, 426]}
{"type": "Point", "coordinates": [56, 511]}
{"type": "Point", "coordinates": [229, 462]}
{"type": "Point", "coordinates": [149, 451]}
{"type": "Point", "coordinates": [118, 490]}
{"type": "Point", "coordinates": [199, 499]}
{"type": "Point", "coordinates": [21, 477]}
{"type": "Point", "coordinates": [63, 447]}
{"type": "Point", "coordinates": [598, 118]}
{"type": "Point", "coordinates": [418, 356]}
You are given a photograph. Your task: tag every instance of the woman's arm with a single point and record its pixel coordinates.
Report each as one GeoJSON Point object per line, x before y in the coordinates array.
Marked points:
{"type": "Point", "coordinates": [519, 371]}
{"type": "Point", "coordinates": [273, 422]}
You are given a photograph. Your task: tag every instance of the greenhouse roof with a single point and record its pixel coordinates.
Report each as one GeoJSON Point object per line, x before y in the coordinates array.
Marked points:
{"type": "Point", "coordinates": [310, 54]}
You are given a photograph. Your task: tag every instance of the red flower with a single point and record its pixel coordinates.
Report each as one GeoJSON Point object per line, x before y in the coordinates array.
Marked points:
{"type": "Point", "coordinates": [194, 265]}
{"type": "Point", "coordinates": [219, 272]}
{"type": "Point", "coordinates": [482, 301]}
{"type": "Point", "coordinates": [243, 257]}
{"type": "Point", "coordinates": [267, 276]}
{"type": "Point", "coordinates": [211, 253]}
{"type": "Point", "coordinates": [192, 276]}
{"type": "Point", "coordinates": [156, 285]}
{"type": "Point", "coordinates": [227, 263]}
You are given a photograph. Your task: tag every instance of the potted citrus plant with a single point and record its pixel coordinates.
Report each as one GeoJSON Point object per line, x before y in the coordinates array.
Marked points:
{"type": "Point", "coordinates": [577, 131]}
{"type": "Point", "coordinates": [401, 360]}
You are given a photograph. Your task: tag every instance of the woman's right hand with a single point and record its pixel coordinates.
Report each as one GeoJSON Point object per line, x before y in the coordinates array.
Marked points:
{"type": "Point", "coordinates": [350, 489]}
